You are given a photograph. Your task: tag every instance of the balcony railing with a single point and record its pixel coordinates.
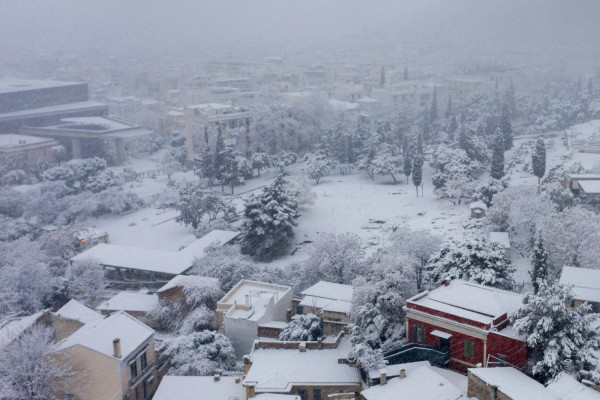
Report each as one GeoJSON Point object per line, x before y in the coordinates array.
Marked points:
{"type": "Point", "coordinates": [418, 352]}
{"type": "Point", "coordinates": [142, 374]}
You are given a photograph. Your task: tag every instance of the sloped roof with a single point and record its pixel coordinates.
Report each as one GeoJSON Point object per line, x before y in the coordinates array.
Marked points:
{"type": "Point", "coordinates": [99, 335]}
{"type": "Point", "coordinates": [130, 301]}
{"type": "Point", "coordinates": [329, 290]}
{"type": "Point", "coordinates": [189, 281]}
{"type": "Point", "coordinates": [11, 328]}
{"type": "Point", "coordinates": [78, 312]}
{"type": "Point", "coordinates": [567, 388]}
{"type": "Point", "coordinates": [585, 281]}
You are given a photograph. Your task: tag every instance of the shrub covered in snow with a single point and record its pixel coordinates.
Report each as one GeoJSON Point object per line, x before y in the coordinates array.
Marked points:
{"type": "Point", "coordinates": [303, 328]}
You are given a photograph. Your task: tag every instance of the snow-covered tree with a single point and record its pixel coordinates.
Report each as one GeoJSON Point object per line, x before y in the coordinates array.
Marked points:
{"type": "Point", "coordinates": [219, 155]}
{"type": "Point", "coordinates": [387, 161]}
{"type": "Point", "coordinates": [303, 328]}
{"type": "Point", "coordinates": [303, 188]}
{"type": "Point", "coordinates": [334, 258]}
{"type": "Point", "coordinates": [58, 152]}
{"type": "Point", "coordinates": [555, 332]}
{"type": "Point", "coordinates": [505, 127]}
{"type": "Point", "coordinates": [200, 353]}
{"type": "Point", "coordinates": [87, 282]}
{"type": "Point", "coordinates": [486, 191]}
{"type": "Point", "coordinates": [315, 168]}
{"type": "Point", "coordinates": [29, 369]}
{"type": "Point", "coordinates": [472, 259]}
{"type": "Point", "coordinates": [260, 161]}
{"type": "Point", "coordinates": [497, 167]}
{"type": "Point", "coordinates": [207, 165]}
{"type": "Point", "coordinates": [433, 111]}
{"type": "Point", "coordinates": [283, 160]}
{"type": "Point", "coordinates": [407, 158]}
{"type": "Point", "coordinates": [538, 159]}
{"type": "Point", "coordinates": [561, 197]}
{"type": "Point", "coordinates": [195, 203]}
{"type": "Point", "coordinates": [269, 219]}
{"type": "Point", "coordinates": [539, 260]}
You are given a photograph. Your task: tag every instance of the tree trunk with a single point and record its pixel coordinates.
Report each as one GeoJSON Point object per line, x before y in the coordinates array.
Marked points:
{"type": "Point", "coordinates": [394, 178]}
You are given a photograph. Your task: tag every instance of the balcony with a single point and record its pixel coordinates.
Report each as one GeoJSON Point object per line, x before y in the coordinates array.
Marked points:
{"type": "Point", "coordinates": [142, 374]}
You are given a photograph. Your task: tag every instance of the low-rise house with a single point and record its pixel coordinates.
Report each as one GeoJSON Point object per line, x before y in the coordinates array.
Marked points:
{"type": "Point", "coordinates": [24, 152]}
{"type": "Point", "coordinates": [113, 358]}
{"type": "Point", "coordinates": [295, 368]}
{"type": "Point", "coordinates": [565, 387]}
{"type": "Point", "coordinates": [333, 300]}
{"type": "Point", "coordinates": [248, 305]}
{"type": "Point", "coordinates": [586, 286]}
{"type": "Point", "coordinates": [138, 304]}
{"type": "Point", "coordinates": [11, 328]}
{"type": "Point", "coordinates": [503, 241]}
{"type": "Point", "coordinates": [420, 383]}
{"type": "Point", "coordinates": [589, 191]}
{"type": "Point", "coordinates": [505, 383]}
{"type": "Point", "coordinates": [151, 267]}
{"type": "Point", "coordinates": [71, 317]}
{"type": "Point", "coordinates": [200, 388]}
{"type": "Point", "coordinates": [469, 322]}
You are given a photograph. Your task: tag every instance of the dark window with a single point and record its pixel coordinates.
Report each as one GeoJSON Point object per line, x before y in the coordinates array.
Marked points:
{"type": "Point", "coordinates": [133, 369]}
{"type": "Point", "coordinates": [143, 362]}
{"type": "Point", "coordinates": [419, 333]}
{"type": "Point", "coordinates": [501, 360]}
{"type": "Point", "coordinates": [572, 303]}
{"type": "Point", "coordinates": [316, 394]}
{"type": "Point", "coordinates": [302, 394]}
{"type": "Point", "coordinates": [468, 349]}
{"type": "Point", "coordinates": [138, 394]}
{"type": "Point", "coordinates": [145, 386]}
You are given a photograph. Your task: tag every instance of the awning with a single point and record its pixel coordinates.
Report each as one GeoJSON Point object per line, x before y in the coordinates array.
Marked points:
{"type": "Point", "coordinates": [440, 334]}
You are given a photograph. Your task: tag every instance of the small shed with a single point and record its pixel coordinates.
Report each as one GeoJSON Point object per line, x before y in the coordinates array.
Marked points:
{"type": "Point", "coordinates": [478, 209]}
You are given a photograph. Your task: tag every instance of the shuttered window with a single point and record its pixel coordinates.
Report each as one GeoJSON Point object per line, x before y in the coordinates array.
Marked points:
{"type": "Point", "coordinates": [468, 349]}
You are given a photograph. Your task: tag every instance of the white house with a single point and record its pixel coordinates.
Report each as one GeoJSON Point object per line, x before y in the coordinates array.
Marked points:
{"type": "Point", "coordinates": [248, 305]}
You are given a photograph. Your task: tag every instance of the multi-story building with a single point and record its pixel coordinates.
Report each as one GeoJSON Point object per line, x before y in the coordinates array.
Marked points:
{"type": "Point", "coordinates": [468, 321]}
{"type": "Point", "coordinates": [113, 358]}
{"type": "Point", "coordinates": [203, 121]}
{"type": "Point", "coordinates": [248, 305]}
{"type": "Point", "coordinates": [24, 152]}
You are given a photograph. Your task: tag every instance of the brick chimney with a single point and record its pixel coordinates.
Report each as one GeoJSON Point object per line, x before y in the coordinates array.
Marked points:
{"type": "Point", "coordinates": [402, 374]}
{"type": "Point", "coordinates": [238, 379]}
{"type": "Point", "coordinates": [216, 378]}
{"type": "Point", "coordinates": [117, 348]}
{"type": "Point", "coordinates": [382, 376]}
{"type": "Point", "coordinates": [447, 281]}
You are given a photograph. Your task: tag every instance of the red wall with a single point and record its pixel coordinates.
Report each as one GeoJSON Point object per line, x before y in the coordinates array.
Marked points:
{"type": "Point", "coordinates": [451, 317]}
{"type": "Point", "coordinates": [514, 350]}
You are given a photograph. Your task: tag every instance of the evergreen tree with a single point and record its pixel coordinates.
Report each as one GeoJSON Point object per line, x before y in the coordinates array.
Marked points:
{"type": "Point", "coordinates": [219, 155]}
{"type": "Point", "coordinates": [497, 168]}
{"type": "Point", "coordinates": [231, 171]}
{"type": "Point", "coordinates": [406, 74]}
{"type": "Point", "coordinates": [449, 110]}
{"type": "Point", "coordinates": [207, 165]}
{"type": "Point", "coordinates": [417, 171]}
{"type": "Point", "coordinates": [382, 77]}
{"type": "Point", "coordinates": [433, 111]}
{"type": "Point", "coordinates": [407, 167]}
{"type": "Point", "coordinates": [506, 127]}
{"type": "Point", "coordinates": [538, 159]}
{"type": "Point", "coordinates": [452, 126]}
{"type": "Point", "coordinates": [540, 263]}
{"type": "Point", "coordinates": [270, 218]}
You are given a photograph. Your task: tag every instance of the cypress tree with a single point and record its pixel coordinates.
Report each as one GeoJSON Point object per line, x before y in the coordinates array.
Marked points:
{"type": "Point", "coordinates": [538, 159]}
{"type": "Point", "coordinates": [407, 167]}
{"type": "Point", "coordinates": [506, 127]}
{"type": "Point", "coordinates": [219, 157]}
{"type": "Point", "coordinates": [540, 263]}
{"type": "Point", "coordinates": [433, 112]}
{"type": "Point", "coordinates": [449, 110]}
{"type": "Point", "coordinates": [382, 77]}
{"type": "Point", "coordinates": [417, 172]}
{"type": "Point", "coordinates": [497, 167]}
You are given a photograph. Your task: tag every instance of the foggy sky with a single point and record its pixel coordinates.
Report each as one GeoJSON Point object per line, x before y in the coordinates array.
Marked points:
{"type": "Point", "coordinates": [268, 25]}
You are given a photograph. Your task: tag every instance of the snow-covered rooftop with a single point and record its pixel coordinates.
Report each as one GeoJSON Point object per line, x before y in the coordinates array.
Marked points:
{"type": "Point", "coordinates": [11, 328]}
{"type": "Point", "coordinates": [59, 108]}
{"type": "Point", "coordinates": [469, 300]}
{"type": "Point", "coordinates": [394, 369]}
{"type": "Point", "coordinates": [422, 383]}
{"type": "Point", "coordinates": [186, 281]}
{"type": "Point", "coordinates": [200, 388]}
{"type": "Point", "coordinates": [99, 335]}
{"type": "Point", "coordinates": [11, 85]}
{"type": "Point", "coordinates": [12, 140]}
{"type": "Point", "coordinates": [329, 290]}
{"type": "Point", "coordinates": [108, 124]}
{"type": "Point", "coordinates": [590, 187]}
{"type": "Point", "coordinates": [275, 396]}
{"type": "Point", "coordinates": [130, 301]}
{"type": "Point", "coordinates": [169, 262]}
{"type": "Point", "coordinates": [567, 388]}
{"type": "Point", "coordinates": [585, 281]}
{"type": "Point", "coordinates": [513, 383]}
{"type": "Point", "coordinates": [321, 303]}
{"type": "Point", "coordinates": [255, 296]}
{"type": "Point", "coordinates": [501, 238]}
{"type": "Point", "coordinates": [78, 312]}
{"type": "Point", "coordinates": [277, 370]}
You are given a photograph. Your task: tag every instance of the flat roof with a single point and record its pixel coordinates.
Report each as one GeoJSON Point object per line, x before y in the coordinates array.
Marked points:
{"type": "Point", "coordinates": [14, 141]}
{"type": "Point", "coordinates": [12, 85]}
{"type": "Point", "coordinates": [130, 301]}
{"type": "Point", "coordinates": [330, 290]}
{"type": "Point", "coordinates": [59, 108]}
{"type": "Point", "coordinates": [200, 388]}
{"type": "Point", "coordinates": [255, 295]}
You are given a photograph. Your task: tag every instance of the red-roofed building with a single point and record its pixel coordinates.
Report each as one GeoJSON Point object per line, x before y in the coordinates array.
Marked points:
{"type": "Point", "coordinates": [470, 321]}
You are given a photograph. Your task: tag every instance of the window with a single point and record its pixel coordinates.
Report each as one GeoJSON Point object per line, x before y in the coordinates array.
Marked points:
{"type": "Point", "coordinates": [572, 303]}
{"type": "Point", "coordinates": [145, 386]}
{"type": "Point", "coordinates": [419, 333]}
{"type": "Point", "coordinates": [468, 349]}
{"type": "Point", "coordinates": [316, 394]}
{"type": "Point", "coordinates": [143, 361]}
{"type": "Point", "coordinates": [501, 360]}
{"type": "Point", "coordinates": [302, 394]}
{"type": "Point", "coordinates": [133, 369]}
{"type": "Point", "coordinates": [138, 394]}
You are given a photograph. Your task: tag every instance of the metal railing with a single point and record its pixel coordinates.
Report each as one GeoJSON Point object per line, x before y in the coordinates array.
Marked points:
{"type": "Point", "coordinates": [418, 352]}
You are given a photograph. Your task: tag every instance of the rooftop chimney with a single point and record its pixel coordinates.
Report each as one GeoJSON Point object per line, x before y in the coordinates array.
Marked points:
{"type": "Point", "coordinates": [447, 281]}
{"type": "Point", "coordinates": [402, 374]}
{"type": "Point", "coordinates": [302, 347]}
{"type": "Point", "coordinates": [216, 378]}
{"type": "Point", "coordinates": [117, 348]}
{"type": "Point", "coordinates": [238, 379]}
{"type": "Point", "coordinates": [382, 376]}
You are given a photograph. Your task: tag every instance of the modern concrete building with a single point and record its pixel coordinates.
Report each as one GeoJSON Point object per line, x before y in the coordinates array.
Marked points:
{"type": "Point", "coordinates": [24, 152]}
